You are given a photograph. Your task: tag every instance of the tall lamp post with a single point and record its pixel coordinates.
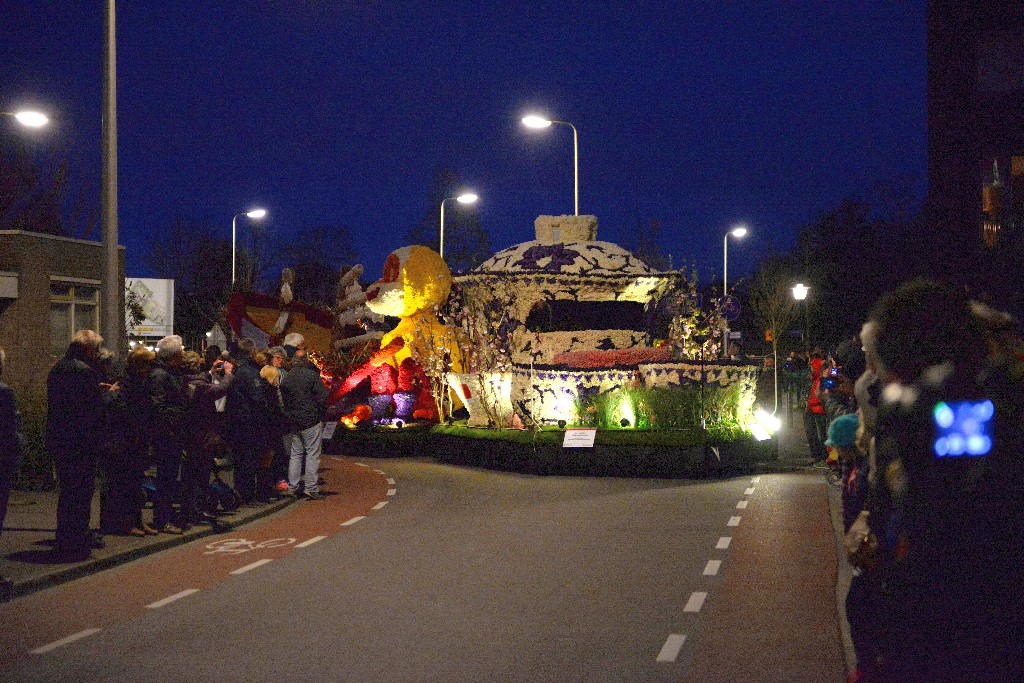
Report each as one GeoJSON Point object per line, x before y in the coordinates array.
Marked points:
{"type": "Point", "coordinates": [534, 121]}
{"type": "Point", "coordinates": [800, 294]}
{"type": "Point", "coordinates": [255, 214]}
{"type": "Point", "coordinates": [737, 232]}
{"type": "Point", "coordinates": [465, 198]}
{"type": "Point", "coordinates": [112, 293]}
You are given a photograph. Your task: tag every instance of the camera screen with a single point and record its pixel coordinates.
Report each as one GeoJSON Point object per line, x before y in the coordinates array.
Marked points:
{"type": "Point", "coordinates": [964, 428]}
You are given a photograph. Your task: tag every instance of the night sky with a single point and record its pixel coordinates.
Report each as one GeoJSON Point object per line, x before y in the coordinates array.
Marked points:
{"type": "Point", "coordinates": [699, 114]}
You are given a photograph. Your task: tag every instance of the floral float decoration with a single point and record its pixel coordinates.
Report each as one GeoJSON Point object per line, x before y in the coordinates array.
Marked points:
{"type": "Point", "coordinates": [403, 374]}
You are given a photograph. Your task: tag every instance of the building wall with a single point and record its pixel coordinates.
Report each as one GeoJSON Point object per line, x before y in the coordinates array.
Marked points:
{"type": "Point", "coordinates": [25, 321]}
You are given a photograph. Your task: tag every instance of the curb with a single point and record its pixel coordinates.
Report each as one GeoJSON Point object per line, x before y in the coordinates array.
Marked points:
{"type": "Point", "coordinates": [63, 575]}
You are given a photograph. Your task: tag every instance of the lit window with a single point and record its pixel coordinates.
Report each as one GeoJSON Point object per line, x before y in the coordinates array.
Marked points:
{"type": "Point", "coordinates": [73, 306]}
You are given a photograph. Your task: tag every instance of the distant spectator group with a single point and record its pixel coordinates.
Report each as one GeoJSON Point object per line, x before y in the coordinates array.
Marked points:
{"type": "Point", "coordinates": [178, 415]}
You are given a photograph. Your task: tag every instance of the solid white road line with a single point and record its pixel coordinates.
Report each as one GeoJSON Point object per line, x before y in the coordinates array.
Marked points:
{"type": "Point", "coordinates": [391, 482]}
{"type": "Point", "coordinates": [392, 492]}
{"type": "Point", "coordinates": [670, 650]}
{"type": "Point", "coordinates": [172, 598]}
{"type": "Point", "coordinates": [695, 602]}
{"type": "Point", "coordinates": [306, 544]}
{"type": "Point", "coordinates": [723, 543]}
{"type": "Point", "coordinates": [250, 567]}
{"type": "Point", "coordinates": [748, 491]}
{"type": "Point", "coordinates": [712, 567]}
{"type": "Point", "coordinates": [380, 505]}
{"type": "Point", "coordinates": [64, 641]}
{"type": "Point", "coordinates": [353, 520]}
{"type": "Point", "coordinates": [733, 521]}
{"type": "Point", "coordinates": [742, 505]}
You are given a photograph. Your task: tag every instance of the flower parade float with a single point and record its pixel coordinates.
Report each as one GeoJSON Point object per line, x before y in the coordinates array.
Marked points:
{"type": "Point", "coordinates": [563, 331]}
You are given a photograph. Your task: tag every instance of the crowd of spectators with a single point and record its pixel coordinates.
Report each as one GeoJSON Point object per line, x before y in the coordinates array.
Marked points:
{"type": "Point", "coordinates": [925, 411]}
{"type": "Point", "coordinates": [162, 423]}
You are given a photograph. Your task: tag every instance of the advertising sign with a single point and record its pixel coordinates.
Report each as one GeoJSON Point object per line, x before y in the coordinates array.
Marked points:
{"type": "Point", "coordinates": [157, 299]}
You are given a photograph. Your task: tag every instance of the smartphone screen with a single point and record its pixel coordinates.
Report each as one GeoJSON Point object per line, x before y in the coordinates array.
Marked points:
{"type": "Point", "coordinates": [964, 428]}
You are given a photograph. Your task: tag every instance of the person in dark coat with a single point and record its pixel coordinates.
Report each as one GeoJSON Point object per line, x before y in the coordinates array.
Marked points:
{"type": "Point", "coordinates": [10, 444]}
{"type": "Point", "coordinates": [169, 398]}
{"type": "Point", "coordinates": [305, 402]}
{"type": "Point", "coordinates": [204, 441]}
{"type": "Point", "coordinates": [130, 436]}
{"type": "Point", "coordinates": [246, 410]}
{"type": "Point", "coordinates": [74, 437]}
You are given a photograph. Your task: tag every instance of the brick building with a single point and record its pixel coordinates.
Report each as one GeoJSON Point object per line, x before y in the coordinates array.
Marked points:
{"type": "Point", "coordinates": [49, 288]}
{"type": "Point", "coordinates": [976, 122]}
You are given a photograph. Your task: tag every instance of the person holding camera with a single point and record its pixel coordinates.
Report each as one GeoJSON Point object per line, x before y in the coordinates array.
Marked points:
{"type": "Point", "coordinates": [943, 511]}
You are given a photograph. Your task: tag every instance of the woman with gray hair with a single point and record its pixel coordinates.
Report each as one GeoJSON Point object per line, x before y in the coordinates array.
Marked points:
{"type": "Point", "coordinates": [169, 400]}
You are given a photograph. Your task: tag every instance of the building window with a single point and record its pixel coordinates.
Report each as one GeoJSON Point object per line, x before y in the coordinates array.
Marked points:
{"type": "Point", "coordinates": [73, 306]}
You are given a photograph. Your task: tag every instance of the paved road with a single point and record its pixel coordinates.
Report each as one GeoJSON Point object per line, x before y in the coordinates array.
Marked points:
{"type": "Point", "coordinates": [452, 574]}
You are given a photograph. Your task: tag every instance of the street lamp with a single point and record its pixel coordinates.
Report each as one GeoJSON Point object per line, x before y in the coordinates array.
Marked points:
{"type": "Point", "coordinates": [534, 121]}
{"type": "Point", "coordinates": [737, 232]}
{"type": "Point", "coordinates": [32, 119]}
{"type": "Point", "coordinates": [465, 198]}
{"type": "Point", "coordinates": [800, 294]}
{"type": "Point", "coordinates": [255, 214]}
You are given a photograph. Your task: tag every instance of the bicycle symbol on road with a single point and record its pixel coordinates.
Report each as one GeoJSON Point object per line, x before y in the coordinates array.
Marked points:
{"type": "Point", "coordinates": [237, 546]}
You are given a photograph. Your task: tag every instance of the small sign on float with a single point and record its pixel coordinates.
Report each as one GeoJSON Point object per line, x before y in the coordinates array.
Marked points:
{"type": "Point", "coordinates": [579, 438]}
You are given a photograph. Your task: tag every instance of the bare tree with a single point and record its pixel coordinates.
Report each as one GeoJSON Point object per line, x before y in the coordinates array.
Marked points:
{"type": "Point", "coordinates": [771, 299]}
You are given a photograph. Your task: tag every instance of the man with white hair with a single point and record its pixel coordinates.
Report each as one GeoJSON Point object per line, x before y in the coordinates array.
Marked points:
{"type": "Point", "coordinates": [74, 437]}
{"type": "Point", "coordinates": [169, 398]}
{"type": "Point", "coordinates": [305, 402]}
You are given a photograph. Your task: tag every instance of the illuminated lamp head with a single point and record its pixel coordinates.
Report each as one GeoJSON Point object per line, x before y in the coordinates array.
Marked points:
{"type": "Point", "coordinates": [415, 278]}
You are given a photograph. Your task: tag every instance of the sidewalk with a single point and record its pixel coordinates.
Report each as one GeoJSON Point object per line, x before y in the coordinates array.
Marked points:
{"type": "Point", "coordinates": [27, 559]}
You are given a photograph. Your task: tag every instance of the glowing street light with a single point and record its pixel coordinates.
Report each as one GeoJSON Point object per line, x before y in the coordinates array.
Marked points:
{"type": "Point", "coordinates": [535, 121]}
{"type": "Point", "coordinates": [800, 294]}
{"type": "Point", "coordinates": [737, 232]}
{"type": "Point", "coordinates": [31, 119]}
{"type": "Point", "coordinates": [465, 198]}
{"type": "Point", "coordinates": [254, 214]}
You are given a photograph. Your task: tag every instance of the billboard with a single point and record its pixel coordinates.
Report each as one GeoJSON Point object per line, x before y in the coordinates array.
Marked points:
{"type": "Point", "coordinates": [157, 299]}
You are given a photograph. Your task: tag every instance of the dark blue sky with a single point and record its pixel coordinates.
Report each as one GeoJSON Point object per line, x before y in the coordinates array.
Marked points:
{"type": "Point", "coordinates": [700, 114]}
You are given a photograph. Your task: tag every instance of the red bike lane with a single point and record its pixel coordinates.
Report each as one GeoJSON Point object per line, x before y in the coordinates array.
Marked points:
{"type": "Point", "coordinates": [40, 622]}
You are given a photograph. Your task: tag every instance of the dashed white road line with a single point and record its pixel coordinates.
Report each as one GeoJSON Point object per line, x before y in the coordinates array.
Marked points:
{"type": "Point", "coordinates": [712, 567]}
{"type": "Point", "coordinates": [695, 602]}
{"type": "Point", "coordinates": [380, 505]}
{"type": "Point", "coordinates": [353, 520]}
{"type": "Point", "coordinates": [670, 650]}
{"type": "Point", "coordinates": [380, 471]}
{"type": "Point", "coordinates": [742, 505]}
{"type": "Point", "coordinates": [755, 480]}
{"type": "Point", "coordinates": [392, 492]}
{"type": "Point", "coordinates": [65, 641]}
{"type": "Point", "coordinates": [250, 567]}
{"type": "Point", "coordinates": [168, 600]}
{"type": "Point", "coordinates": [391, 482]}
{"type": "Point", "coordinates": [306, 544]}
{"type": "Point", "coordinates": [723, 543]}
{"type": "Point", "coordinates": [748, 491]}
{"type": "Point", "coordinates": [733, 521]}
{"type": "Point", "coordinates": [362, 464]}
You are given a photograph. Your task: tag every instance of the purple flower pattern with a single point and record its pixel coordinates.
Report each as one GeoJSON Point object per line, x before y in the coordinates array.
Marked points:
{"type": "Point", "coordinates": [558, 254]}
